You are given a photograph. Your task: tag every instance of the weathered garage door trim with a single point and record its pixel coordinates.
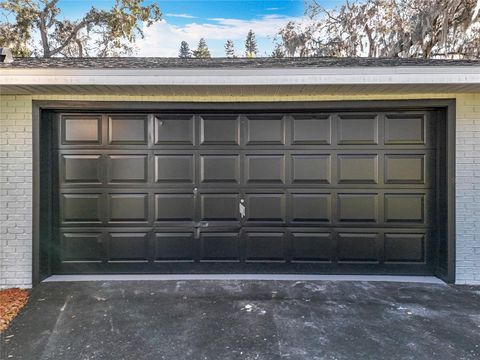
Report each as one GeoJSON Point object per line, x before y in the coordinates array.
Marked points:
{"type": "Point", "coordinates": [41, 164]}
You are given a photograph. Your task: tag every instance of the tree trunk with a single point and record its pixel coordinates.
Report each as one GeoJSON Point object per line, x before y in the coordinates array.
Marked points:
{"type": "Point", "coordinates": [80, 48]}
{"type": "Point", "coordinates": [371, 48]}
{"type": "Point", "coordinates": [44, 36]}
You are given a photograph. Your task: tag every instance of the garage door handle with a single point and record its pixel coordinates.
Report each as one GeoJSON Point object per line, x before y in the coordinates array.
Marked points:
{"type": "Point", "coordinates": [241, 208]}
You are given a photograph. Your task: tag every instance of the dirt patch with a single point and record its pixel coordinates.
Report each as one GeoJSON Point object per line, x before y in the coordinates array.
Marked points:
{"type": "Point", "coordinates": [11, 302]}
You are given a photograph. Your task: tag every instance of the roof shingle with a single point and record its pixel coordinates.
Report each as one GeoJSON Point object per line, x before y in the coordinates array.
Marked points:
{"type": "Point", "coordinates": [224, 63]}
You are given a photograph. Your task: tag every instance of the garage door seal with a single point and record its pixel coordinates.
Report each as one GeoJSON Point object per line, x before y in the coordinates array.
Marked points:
{"type": "Point", "coordinates": [241, 277]}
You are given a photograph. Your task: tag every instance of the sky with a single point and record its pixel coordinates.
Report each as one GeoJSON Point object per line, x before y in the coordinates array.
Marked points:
{"type": "Point", "coordinates": [214, 20]}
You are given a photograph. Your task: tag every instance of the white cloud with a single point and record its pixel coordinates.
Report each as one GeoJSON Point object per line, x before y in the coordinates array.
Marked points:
{"type": "Point", "coordinates": [265, 26]}
{"type": "Point", "coordinates": [183, 16]}
{"type": "Point", "coordinates": [163, 38]}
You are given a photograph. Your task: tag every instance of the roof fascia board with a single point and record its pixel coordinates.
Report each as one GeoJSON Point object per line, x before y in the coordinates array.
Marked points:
{"type": "Point", "coordinates": [278, 76]}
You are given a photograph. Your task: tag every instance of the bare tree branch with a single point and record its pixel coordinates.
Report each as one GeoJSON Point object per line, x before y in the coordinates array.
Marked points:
{"type": "Point", "coordinates": [404, 28]}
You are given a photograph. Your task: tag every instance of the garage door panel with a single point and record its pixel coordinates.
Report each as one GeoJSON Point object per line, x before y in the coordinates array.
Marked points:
{"type": "Point", "coordinates": [128, 129]}
{"type": "Point", "coordinates": [311, 168]}
{"type": "Point", "coordinates": [356, 168]}
{"type": "Point", "coordinates": [128, 208]}
{"type": "Point", "coordinates": [81, 247]}
{"type": "Point", "coordinates": [311, 129]}
{"type": "Point", "coordinates": [128, 168]}
{"type": "Point", "coordinates": [174, 207]}
{"type": "Point", "coordinates": [127, 247]}
{"type": "Point", "coordinates": [405, 129]}
{"type": "Point", "coordinates": [408, 208]}
{"type": "Point", "coordinates": [358, 129]}
{"type": "Point", "coordinates": [357, 208]}
{"type": "Point", "coordinates": [358, 247]}
{"type": "Point", "coordinates": [220, 130]}
{"type": "Point", "coordinates": [81, 208]}
{"type": "Point", "coordinates": [312, 247]}
{"type": "Point", "coordinates": [219, 207]}
{"type": "Point", "coordinates": [175, 168]}
{"type": "Point", "coordinates": [81, 168]}
{"type": "Point", "coordinates": [220, 246]}
{"type": "Point", "coordinates": [265, 207]}
{"type": "Point", "coordinates": [265, 246]}
{"type": "Point", "coordinates": [265, 130]}
{"type": "Point", "coordinates": [220, 168]}
{"type": "Point", "coordinates": [174, 247]}
{"type": "Point", "coordinates": [405, 168]}
{"type": "Point", "coordinates": [405, 248]}
{"type": "Point", "coordinates": [311, 208]}
{"type": "Point", "coordinates": [81, 130]}
{"type": "Point", "coordinates": [174, 129]}
{"type": "Point", "coordinates": [264, 168]}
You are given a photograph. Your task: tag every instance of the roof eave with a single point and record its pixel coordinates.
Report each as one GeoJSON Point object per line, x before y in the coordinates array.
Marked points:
{"type": "Point", "coordinates": [208, 77]}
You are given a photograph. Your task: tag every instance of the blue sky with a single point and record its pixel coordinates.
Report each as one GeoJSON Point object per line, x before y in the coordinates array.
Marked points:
{"type": "Point", "coordinates": [215, 20]}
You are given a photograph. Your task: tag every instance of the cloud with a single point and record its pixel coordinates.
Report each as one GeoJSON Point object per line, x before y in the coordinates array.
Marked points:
{"type": "Point", "coordinates": [273, 8]}
{"type": "Point", "coordinates": [163, 38]}
{"type": "Point", "coordinates": [183, 16]}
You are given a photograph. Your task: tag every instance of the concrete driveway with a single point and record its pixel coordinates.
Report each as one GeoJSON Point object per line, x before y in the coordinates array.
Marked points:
{"type": "Point", "coordinates": [246, 320]}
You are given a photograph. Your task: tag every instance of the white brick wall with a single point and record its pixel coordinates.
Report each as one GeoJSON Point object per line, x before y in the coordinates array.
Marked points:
{"type": "Point", "coordinates": [16, 180]}
{"type": "Point", "coordinates": [15, 191]}
{"type": "Point", "coordinates": [468, 190]}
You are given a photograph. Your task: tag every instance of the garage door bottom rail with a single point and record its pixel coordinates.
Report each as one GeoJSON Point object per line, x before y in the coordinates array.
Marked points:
{"type": "Point", "coordinates": [237, 268]}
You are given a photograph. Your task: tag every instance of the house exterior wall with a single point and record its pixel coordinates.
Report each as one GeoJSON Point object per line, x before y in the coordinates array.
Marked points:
{"type": "Point", "coordinates": [16, 174]}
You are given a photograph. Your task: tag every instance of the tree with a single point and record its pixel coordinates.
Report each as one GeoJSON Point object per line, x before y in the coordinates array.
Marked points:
{"type": "Point", "coordinates": [96, 33]}
{"type": "Point", "coordinates": [278, 52]}
{"type": "Point", "coordinates": [294, 39]}
{"type": "Point", "coordinates": [230, 49]}
{"type": "Point", "coordinates": [16, 39]}
{"type": "Point", "coordinates": [388, 28]}
{"type": "Point", "coordinates": [251, 49]}
{"type": "Point", "coordinates": [184, 50]}
{"type": "Point", "coordinates": [202, 49]}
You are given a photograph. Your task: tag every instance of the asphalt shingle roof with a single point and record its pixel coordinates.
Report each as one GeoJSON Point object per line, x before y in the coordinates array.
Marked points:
{"type": "Point", "coordinates": [220, 63]}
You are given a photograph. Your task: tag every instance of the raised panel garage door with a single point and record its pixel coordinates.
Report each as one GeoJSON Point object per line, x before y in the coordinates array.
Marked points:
{"type": "Point", "coordinates": [326, 192]}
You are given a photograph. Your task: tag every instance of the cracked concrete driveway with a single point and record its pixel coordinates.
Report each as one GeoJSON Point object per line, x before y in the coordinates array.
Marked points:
{"type": "Point", "coordinates": [246, 320]}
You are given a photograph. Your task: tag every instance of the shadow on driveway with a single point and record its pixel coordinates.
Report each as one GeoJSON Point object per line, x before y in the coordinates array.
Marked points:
{"type": "Point", "coordinates": [246, 320]}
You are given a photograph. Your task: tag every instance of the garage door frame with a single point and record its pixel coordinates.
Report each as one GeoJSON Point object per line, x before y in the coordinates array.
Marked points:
{"type": "Point", "coordinates": [42, 217]}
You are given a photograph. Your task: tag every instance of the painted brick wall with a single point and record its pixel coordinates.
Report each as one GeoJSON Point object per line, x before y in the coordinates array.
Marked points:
{"type": "Point", "coordinates": [15, 191]}
{"type": "Point", "coordinates": [468, 190]}
{"type": "Point", "coordinates": [16, 175]}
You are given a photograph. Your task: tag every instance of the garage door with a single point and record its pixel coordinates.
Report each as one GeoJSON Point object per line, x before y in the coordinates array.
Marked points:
{"type": "Point", "coordinates": [350, 192]}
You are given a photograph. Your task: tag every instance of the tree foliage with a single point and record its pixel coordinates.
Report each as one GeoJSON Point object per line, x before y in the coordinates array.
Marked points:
{"type": "Point", "coordinates": [251, 49]}
{"type": "Point", "coordinates": [230, 49]}
{"type": "Point", "coordinates": [278, 52]}
{"type": "Point", "coordinates": [98, 33]}
{"type": "Point", "coordinates": [202, 50]}
{"type": "Point", "coordinates": [295, 39]}
{"type": "Point", "coordinates": [15, 38]}
{"type": "Point", "coordinates": [185, 51]}
{"type": "Point", "coordinates": [387, 28]}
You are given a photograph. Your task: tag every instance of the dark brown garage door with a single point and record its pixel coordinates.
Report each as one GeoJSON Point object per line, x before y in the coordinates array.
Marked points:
{"type": "Point", "coordinates": [245, 192]}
